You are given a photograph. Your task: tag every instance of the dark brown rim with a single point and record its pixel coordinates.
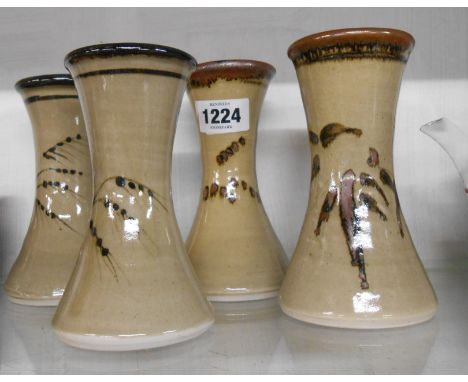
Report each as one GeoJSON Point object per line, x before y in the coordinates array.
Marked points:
{"type": "Point", "coordinates": [127, 48]}
{"type": "Point", "coordinates": [44, 80]}
{"type": "Point", "coordinates": [236, 69]}
{"type": "Point", "coordinates": [396, 44]}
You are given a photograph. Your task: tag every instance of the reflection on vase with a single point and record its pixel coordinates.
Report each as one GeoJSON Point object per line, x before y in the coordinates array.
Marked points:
{"type": "Point", "coordinates": [321, 350]}
{"type": "Point", "coordinates": [246, 330]}
{"type": "Point", "coordinates": [246, 310]}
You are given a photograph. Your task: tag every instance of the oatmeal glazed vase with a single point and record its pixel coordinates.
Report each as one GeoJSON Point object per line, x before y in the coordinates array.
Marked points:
{"type": "Point", "coordinates": [355, 265]}
{"type": "Point", "coordinates": [134, 286]}
{"type": "Point", "coordinates": [62, 203]}
{"type": "Point", "coordinates": [232, 245]}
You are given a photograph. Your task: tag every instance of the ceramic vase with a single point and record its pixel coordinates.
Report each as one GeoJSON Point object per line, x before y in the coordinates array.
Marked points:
{"type": "Point", "coordinates": [62, 203]}
{"type": "Point", "coordinates": [232, 246]}
{"type": "Point", "coordinates": [133, 287]}
{"type": "Point", "coordinates": [355, 265]}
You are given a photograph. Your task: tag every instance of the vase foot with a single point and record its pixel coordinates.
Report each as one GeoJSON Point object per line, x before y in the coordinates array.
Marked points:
{"type": "Point", "coordinates": [242, 297]}
{"type": "Point", "coordinates": [130, 342]}
{"type": "Point", "coordinates": [348, 323]}
{"type": "Point", "coordinates": [35, 302]}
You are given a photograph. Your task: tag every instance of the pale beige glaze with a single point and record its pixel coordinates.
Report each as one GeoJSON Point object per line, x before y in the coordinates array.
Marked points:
{"type": "Point", "coordinates": [143, 292]}
{"type": "Point", "coordinates": [321, 285]}
{"type": "Point", "coordinates": [61, 210]}
{"type": "Point", "coordinates": [232, 245]}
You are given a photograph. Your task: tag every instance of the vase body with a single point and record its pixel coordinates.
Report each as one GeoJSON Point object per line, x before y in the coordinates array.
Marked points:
{"type": "Point", "coordinates": [133, 287]}
{"type": "Point", "coordinates": [63, 192]}
{"type": "Point", "coordinates": [355, 265]}
{"type": "Point", "coordinates": [232, 245]}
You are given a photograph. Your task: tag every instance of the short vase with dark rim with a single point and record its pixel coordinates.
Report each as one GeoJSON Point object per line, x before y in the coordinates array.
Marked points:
{"type": "Point", "coordinates": [355, 265]}
{"type": "Point", "coordinates": [62, 204]}
{"type": "Point", "coordinates": [133, 287]}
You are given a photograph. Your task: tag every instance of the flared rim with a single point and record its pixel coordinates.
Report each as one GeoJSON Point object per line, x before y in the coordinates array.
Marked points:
{"type": "Point", "coordinates": [127, 48]}
{"type": "Point", "coordinates": [353, 43]}
{"type": "Point", "coordinates": [44, 80]}
{"type": "Point", "coordinates": [233, 69]}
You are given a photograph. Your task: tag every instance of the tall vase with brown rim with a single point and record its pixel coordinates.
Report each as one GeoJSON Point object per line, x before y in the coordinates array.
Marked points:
{"type": "Point", "coordinates": [355, 264]}
{"type": "Point", "coordinates": [62, 204]}
{"type": "Point", "coordinates": [133, 287]}
{"type": "Point", "coordinates": [232, 246]}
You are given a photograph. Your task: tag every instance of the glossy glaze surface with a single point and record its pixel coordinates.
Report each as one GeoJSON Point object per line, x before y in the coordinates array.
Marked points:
{"type": "Point", "coordinates": [133, 287]}
{"type": "Point", "coordinates": [355, 264]}
{"type": "Point", "coordinates": [63, 192]}
{"type": "Point", "coordinates": [232, 245]}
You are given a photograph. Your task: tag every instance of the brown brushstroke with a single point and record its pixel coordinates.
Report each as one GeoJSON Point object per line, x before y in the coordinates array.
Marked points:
{"type": "Point", "coordinates": [327, 207]}
{"type": "Point", "coordinates": [229, 151]}
{"type": "Point", "coordinates": [373, 159]}
{"type": "Point", "coordinates": [371, 205]}
{"type": "Point", "coordinates": [386, 179]}
{"type": "Point", "coordinates": [313, 138]}
{"type": "Point", "coordinates": [369, 181]}
{"type": "Point", "coordinates": [233, 182]}
{"type": "Point", "coordinates": [315, 167]}
{"type": "Point", "coordinates": [331, 131]}
{"type": "Point", "coordinates": [213, 189]}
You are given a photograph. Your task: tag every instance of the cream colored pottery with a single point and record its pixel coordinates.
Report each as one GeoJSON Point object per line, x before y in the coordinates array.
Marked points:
{"type": "Point", "coordinates": [62, 204]}
{"type": "Point", "coordinates": [133, 287]}
{"type": "Point", "coordinates": [232, 246]}
{"type": "Point", "coordinates": [355, 265]}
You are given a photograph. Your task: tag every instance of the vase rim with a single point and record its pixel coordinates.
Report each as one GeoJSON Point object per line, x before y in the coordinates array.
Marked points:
{"type": "Point", "coordinates": [128, 48]}
{"type": "Point", "coordinates": [402, 41]}
{"type": "Point", "coordinates": [231, 69]}
{"type": "Point", "coordinates": [44, 80]}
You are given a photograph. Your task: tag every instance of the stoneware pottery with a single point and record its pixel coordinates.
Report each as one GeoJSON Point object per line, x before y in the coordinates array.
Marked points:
{"type": "Point", "coordinates": [133, 286]}
{"type": "Point", "coordinates": [232, 246]}
{"type": "Point", "coordinates": [355, 265]}
{"type": "Point", "coordinates": [62, 204]}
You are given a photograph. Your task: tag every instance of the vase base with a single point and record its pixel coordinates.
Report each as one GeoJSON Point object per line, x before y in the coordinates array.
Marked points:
{"type": "Point", "coordinates": [363, 324]}
{"type": "Point", "coordinates": [129, 342]}
{"type": "Point", "coordinates": [35, 302]}
{"type": "Point", "coordinates": [242, 297]}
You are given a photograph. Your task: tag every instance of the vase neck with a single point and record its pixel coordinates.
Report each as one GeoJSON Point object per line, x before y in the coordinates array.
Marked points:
{"type": "Point", "coordinates": [59, 135]}
{"type": "Point", "coordinates": [229, 153]}
{"type": "Point", "coordinates": [131, 104]}
{"type": "Point", "coordinates": [359, 96]}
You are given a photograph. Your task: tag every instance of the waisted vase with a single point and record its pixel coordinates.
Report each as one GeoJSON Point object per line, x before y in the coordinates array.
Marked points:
{"type": "Point", "coordinates": [62, 204]}
{"type": "Point", "coordinates": [355, 265]}
{"type": "Point", "coordinates": [232, 246]}
{"type": "Point", "coordinates": [133, 286]}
